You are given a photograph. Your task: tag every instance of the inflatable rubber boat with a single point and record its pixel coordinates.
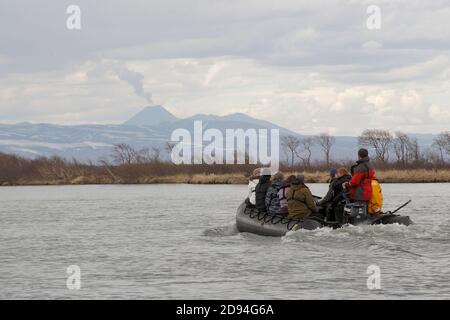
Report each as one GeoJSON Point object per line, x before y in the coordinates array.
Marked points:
{"type": "Point", "coordinates": [248, 219]}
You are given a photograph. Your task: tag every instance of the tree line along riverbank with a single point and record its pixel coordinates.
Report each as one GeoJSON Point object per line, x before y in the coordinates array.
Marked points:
{"type": "Point", "coordinates": [385, 176]}
{"type": "Point", "coordinates": [15, 170]}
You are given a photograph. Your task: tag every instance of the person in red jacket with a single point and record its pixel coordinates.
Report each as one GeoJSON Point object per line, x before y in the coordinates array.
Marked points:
{"type": "Point", "coordinates": [360, 186]}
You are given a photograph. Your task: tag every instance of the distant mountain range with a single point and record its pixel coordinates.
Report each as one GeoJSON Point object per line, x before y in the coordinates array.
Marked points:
{"type": "Point", "coordinates": [151, 127]}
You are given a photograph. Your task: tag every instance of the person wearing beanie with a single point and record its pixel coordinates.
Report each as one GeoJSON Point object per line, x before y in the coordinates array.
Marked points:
{"type": "Point", "coordinates": [272, 201]}
{"type": "Point", "coordinates": [333, 173]}
{"type": "Point", "coordinates": [261, 189]}
{"type": "Point", "coordinates": [360, 186]}
{"type": "Point", "coordinates": [300, 199]}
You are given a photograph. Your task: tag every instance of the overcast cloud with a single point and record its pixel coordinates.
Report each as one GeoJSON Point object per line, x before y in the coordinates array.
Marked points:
{"type": "Point", "coordinates": [307, 65]}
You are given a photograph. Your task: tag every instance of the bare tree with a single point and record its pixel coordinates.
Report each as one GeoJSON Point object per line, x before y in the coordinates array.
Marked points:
{"type": "Point", "coordinates": [441, 143]}
{"type": "Point", "coordinates": [432, 156]}
{"type": "Point", "coordinates": [380, 140]}
{"type": "Point", "coordinates": [124, 154]}
{"type": "Point", "coordinates": [400, 144]}
{"type": "Point", "coordinates": [290, 145]}
{"type": "Point", "coordinates": [169, 147]}
{"type": "Point", "coordinates": [306, 153]}
{"type": "Point", "coordinates": [326, 142]}
{"type": "Point", "coordinates": [413, 150]}
{"type": "Point", "coordinates": [447, 148]}
{"type": "Point", "coordinates": [108, 169]}
{"type": "Point", "coordinates": [149, 155]}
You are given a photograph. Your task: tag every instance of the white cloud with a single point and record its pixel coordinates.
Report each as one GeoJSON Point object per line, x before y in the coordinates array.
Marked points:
{"type": "Point", "coordinates": [420, 70]}
{"type": "Point", "coordinates": [372, 45]}
{"type": "Point", "coordinates": [440, 114]}
{"type": "Point", "coordinates": [76, 77]}
{"type": "Point", "coordinates": [348, 98]}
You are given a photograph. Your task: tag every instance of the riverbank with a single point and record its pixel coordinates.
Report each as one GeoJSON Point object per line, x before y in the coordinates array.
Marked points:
{"type": "Point", "coordinates": [386, 176]}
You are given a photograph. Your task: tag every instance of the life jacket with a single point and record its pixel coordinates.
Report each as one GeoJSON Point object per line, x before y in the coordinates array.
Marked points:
{"type": "Point", "coordinates": [376, 201]}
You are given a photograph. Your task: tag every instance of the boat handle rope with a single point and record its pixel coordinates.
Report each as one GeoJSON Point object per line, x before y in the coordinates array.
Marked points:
{"type": "Point", "coordinates": [282, 220]}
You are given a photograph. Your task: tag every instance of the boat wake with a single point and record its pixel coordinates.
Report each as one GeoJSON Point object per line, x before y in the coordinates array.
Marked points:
{"type": "Point", "coordinates": [222, 231]}
{"type": "Point", "coordinates": [354, 232]}
{"type": "Point", "coordinates": [382, 239]}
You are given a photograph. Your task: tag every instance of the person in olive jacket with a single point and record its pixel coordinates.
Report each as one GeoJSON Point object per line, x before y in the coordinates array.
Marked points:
{"type": "Point", "coordinates": [300, 199]}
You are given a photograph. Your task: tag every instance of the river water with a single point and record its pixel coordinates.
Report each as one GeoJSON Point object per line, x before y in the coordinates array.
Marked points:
{"type": "Point", "coordinates": [180, 242]}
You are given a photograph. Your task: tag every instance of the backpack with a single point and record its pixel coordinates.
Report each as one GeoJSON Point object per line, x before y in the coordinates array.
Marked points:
{"type": "Point", "coordinates": [376, 201]}
{"type": "Point", "coordinates": [282, 196]}
{"type": "Point", "coordinates": [272, 192]}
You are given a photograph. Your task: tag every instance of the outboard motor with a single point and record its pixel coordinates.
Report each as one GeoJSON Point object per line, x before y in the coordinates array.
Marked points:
{"type": "Point", "coordinates": [355, 213]}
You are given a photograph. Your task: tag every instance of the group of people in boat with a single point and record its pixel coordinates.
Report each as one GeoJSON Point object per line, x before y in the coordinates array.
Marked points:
{"type": "Point", "coordinates": [290, 196]}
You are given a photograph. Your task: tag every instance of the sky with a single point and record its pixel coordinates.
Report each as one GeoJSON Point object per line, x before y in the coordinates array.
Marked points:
{"type": "Point", "coordinates": [309, 66]}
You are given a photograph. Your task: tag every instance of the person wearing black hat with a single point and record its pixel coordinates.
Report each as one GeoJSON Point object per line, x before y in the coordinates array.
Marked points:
{"type": "Point", "coordinates": [330, 194]}
{"type": "Point", "coordinates": [336, 207]}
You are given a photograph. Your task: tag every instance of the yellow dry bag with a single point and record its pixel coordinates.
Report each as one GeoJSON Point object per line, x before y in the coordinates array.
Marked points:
{"type": "Point", "coordinates": [376, 202]}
